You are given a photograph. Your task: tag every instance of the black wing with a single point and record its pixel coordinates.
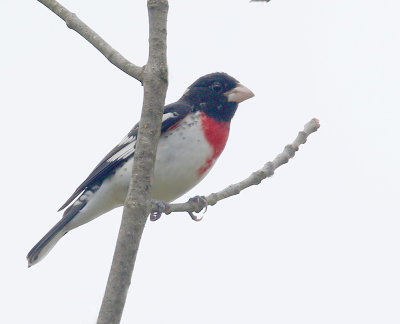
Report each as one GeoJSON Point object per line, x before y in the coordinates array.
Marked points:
{"type": "Point", "coordinates": [173, 113]}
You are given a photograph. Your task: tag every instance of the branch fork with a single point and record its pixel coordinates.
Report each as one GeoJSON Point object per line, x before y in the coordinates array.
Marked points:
{"type": "Point", "coordinates": [154, 77]}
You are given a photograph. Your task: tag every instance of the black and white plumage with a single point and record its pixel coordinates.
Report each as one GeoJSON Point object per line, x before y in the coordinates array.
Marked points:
{"type": "Point", "coordinates": [194, 131]}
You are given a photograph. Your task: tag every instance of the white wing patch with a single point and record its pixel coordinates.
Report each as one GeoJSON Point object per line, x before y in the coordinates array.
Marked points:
{"type": "Point", "coordinates": [122, 153]}
{"type": "Point", "coordinates": [169, 115]}
{"type": "Point", "coordinates": [129, 142]}
{"type": "Point", "coordinates": [186, 91]}
{"type": "Point", "coordinates": [127, 139]}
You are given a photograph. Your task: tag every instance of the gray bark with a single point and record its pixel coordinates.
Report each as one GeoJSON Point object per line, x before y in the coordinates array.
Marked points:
{"type": "Point", "coordinates": [137, 205]}
{"type": "Point", "coordinates": [93, 38]}
{"type": "Point", "coordinates": [254, 179]}
{"type": "Point", "coordinates": [154, 77]}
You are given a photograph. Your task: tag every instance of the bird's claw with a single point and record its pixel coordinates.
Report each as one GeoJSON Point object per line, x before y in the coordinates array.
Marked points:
{"type": "Point", "coordinates": [162, 206]}
{"type": "Point", "coordinates": [201, 201]}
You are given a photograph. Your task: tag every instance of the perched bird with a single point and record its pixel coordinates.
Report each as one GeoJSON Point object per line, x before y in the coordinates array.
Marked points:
{"type": "Point", "coordinates": [194, 132]}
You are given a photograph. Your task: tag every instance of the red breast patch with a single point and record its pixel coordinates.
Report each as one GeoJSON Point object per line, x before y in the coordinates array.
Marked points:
{"type": "Point", "coordinates": [216, 133]}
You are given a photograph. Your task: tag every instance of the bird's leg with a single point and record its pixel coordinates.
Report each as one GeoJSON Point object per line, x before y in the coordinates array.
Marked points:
{"type": "Point", "coordinates": [202, 203]}
{"type": "Point", "coordinates": [161, 206]}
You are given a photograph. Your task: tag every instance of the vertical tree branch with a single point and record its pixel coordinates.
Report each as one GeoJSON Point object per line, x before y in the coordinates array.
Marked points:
{"type": "Point", "coordinates": [137, 205]}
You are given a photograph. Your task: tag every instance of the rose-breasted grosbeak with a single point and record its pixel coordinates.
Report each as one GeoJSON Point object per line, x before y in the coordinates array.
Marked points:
{"type": "Point", "coordinates": [194, 132]}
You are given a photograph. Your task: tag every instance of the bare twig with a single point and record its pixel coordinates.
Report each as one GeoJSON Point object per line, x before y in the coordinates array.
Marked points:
{"type": "Point", "coordinates": [137, 205]}
{"type": "Point", "coordinates": [254, 179]}
{"type": "Point", "coordinates": [93, 38]}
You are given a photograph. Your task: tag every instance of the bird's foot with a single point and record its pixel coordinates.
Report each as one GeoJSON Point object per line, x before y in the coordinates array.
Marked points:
{"type": "Point", "coordinates": [202, 203]}
{"type": "Point", "coordinates": [161, 206]}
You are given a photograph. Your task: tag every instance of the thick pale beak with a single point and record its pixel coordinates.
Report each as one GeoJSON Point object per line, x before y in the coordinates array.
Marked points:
{"type": "Point", "coordinates": [239, 93]}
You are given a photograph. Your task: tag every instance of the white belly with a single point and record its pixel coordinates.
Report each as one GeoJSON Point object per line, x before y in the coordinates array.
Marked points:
{"type": "Point", "coordinates": [176, 171]}
{"type": "Point", "coordinates": [179, 158]}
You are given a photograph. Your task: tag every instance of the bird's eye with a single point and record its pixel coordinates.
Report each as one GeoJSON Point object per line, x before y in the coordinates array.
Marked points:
{"type": "Point", "coordinates": [217, 87]}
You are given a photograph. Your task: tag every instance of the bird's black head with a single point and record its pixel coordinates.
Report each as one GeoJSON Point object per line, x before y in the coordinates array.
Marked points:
{"type": "Point", "coordinates": [217, 95]}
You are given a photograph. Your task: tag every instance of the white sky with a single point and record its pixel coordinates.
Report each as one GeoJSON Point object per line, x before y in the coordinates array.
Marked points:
{"type": "Point", "coordinates": [317, 243]}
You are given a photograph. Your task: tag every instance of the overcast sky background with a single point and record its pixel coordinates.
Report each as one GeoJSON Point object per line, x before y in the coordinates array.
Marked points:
{"type": "Point", "coordinates": [317, 243]}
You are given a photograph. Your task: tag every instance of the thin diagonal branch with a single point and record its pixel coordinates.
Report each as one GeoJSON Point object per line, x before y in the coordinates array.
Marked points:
{"type": "Point", "coordinates": [254, 179]}
{"type": "Point", "coordinates": [93, 38]}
